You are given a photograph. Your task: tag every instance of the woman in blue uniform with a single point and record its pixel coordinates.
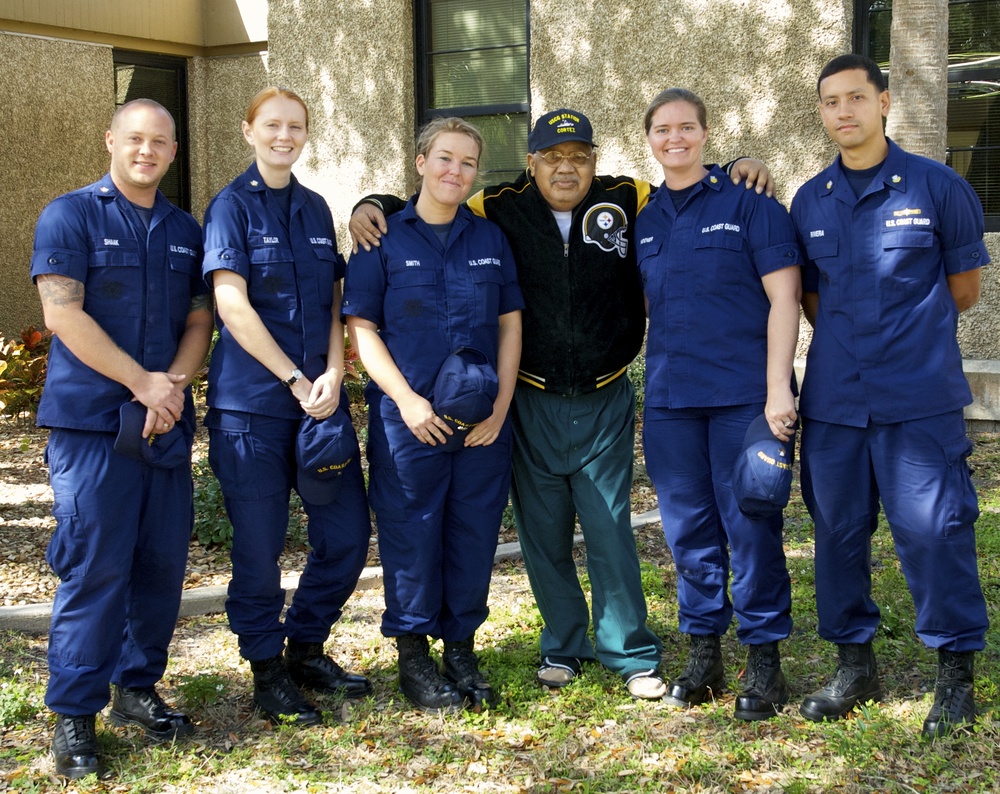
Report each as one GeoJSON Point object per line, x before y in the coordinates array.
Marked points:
{"type": "Point", "coordinates": [443, 279]}
{"type": "Point", "coordinates": [720, 269]}
{"type": "Point", "coordinates": [271, 256]}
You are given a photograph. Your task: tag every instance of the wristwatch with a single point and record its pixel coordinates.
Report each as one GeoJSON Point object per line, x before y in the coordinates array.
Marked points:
{"type": "Point", "coordinates": [294, 378]}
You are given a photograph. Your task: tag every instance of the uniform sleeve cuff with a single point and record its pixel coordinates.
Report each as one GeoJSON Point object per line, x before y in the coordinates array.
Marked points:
{"type": "Point", "coordinates": [968, 257]}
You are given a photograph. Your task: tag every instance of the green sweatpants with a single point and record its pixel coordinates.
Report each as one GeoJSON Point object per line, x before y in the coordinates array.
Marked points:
{"type": "Point", "coordinates": [573, 457]}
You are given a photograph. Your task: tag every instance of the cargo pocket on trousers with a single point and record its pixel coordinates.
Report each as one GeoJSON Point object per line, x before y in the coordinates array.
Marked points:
{"type": "Point", "coordinates": [961, 503]}
{"type": "Point", "coordinates": [231, 454]}
{"type": "Point", "coordinates": [67, 550]}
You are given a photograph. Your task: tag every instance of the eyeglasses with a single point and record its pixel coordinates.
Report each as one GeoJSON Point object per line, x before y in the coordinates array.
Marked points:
{"type": "Point", "coordinates": [576, 159]}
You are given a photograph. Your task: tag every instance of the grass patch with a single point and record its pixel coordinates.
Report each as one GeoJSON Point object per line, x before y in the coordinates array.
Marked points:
{"type": "Point", "coordinates": [589, 737]}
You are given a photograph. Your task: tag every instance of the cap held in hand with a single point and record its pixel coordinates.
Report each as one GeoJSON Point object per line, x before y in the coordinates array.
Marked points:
{"type": "Point", "coordinates": [464, 391]}
{"type": "Point", "coordinates": [762, 477]}
{"type": "Point", "coordinates": [323, 451]}
{"type": "Point", "coordinates": [162, 451]}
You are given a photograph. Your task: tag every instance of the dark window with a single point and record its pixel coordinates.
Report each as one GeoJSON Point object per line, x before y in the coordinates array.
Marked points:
{"type": "Point", "coordinates": [140, 75]}
{"type": "Point", "coordinates": [472, 61]}
{"type": "Point", "coordinates": [973, 88]}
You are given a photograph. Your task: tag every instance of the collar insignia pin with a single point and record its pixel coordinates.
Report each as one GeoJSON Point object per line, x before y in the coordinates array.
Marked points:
{"type": "Point", "coordinates": [896, 179]}
{"type": "Point", "coordinates": [104, 189]}
{"type": "Point", "coordinates": [713, 179]}
{"type": "Point", "coordinates": [829, 184]}
{"type": "Point", "coordinates": [254, 182]}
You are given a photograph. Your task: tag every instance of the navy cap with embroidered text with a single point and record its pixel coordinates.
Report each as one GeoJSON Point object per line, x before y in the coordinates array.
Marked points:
{"type": "Point", "coordinates": [560, 126]}
{"type": "Point", "coordinates": [762, 476]}
{"type": "Point", "coordinates": [464, 391]}
{"type": "Point", "coordinates": [323, 451]}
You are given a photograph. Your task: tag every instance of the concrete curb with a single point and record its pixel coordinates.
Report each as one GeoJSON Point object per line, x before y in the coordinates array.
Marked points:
{"type": "Point", "coordinates": [34, 618]}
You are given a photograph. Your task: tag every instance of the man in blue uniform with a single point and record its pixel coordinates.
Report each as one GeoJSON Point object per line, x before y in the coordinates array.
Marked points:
{"type": "Point", "coordinates": [118, 271]}
{"type": "Point", "coordinates": [574, 409]}
{"type": "Point", "coordinates": [894, 248]}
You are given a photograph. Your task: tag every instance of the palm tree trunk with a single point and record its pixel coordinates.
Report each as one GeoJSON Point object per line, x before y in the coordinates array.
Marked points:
{"type": "Point", "coordinates": [918, 74]}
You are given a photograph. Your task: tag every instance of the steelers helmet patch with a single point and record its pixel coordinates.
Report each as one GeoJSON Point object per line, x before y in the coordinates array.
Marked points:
{"type": "Point", "coordinates": [604, 225]}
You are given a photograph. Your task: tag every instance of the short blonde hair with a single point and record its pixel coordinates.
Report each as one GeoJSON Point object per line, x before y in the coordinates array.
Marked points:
{"type": "Point", "coordinates": [439, 126]}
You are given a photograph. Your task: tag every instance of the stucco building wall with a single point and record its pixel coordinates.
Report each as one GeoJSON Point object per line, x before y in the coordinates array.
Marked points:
{"type": "Point", "coordinates": [219, 90]}
{"type": "Point", "coordinates": [53, 134]}
{"type": "Point", "coordinates": [352, 62]}
{"type": "Point", "coordinates": [979, 327]}
{"type": "Point", "coordinates": [754, 63]}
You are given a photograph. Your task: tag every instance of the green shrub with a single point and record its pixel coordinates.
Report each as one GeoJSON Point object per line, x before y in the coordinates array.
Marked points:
{"type": "Point", "coordinates": [23, 365]}
{"type": "Point", "coordinates": [20, 699]}
{"type": "Point", "coordinates": [211, 525]}
{"type": "Point", "coordinates": [637, 374]}
{"type": "Point", "coordinates": [355, 377]}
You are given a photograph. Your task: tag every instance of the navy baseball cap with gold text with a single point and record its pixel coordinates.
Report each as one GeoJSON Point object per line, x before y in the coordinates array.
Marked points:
{"type": "Point", "coordinates": [323, 451]}
{"type": "Point", "coordinates": [464, 391]}
{"type": "Point", "coordinates": [559, 126]}
{"type": "Point", "coordinates": [762, 476]}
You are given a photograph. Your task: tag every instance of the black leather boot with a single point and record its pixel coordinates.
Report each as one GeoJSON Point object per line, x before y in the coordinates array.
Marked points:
{"type": "Point", "coordinates": [954, 694]}
{"type": "Point", "coordinates": [419, 678]}
{"type": "Point", "coordinates": [74, 747]}
{"type": "Point", "coordinates": [765, 690]}
{"type": "Point", "coordinates": [309, 666]}
{"type": "Point", "coordinates": [856, 681]}
{"type": "Point", "coordinates": [703, 675]}
{"type": "Point", "coordinates": [277, 696]}
{"type": "Point", "coordinates": [144, 706]}
{"type": "Point", "coordinates": [461, 667]}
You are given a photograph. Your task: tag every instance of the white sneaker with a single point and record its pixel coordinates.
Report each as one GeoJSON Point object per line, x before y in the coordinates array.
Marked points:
{"type": "Point", "coordinates": [646, 685]}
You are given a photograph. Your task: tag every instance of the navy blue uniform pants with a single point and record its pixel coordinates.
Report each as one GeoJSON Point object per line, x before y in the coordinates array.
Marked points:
{"type": "Point", "coordinates": [438, 516]}
{"type": "Point", "coordinates": [919, 470]}
{"type": "Point", "coordinates": [573, 458]}
{"type": "Point", "coordinates": [690, 455]}
{"type": "Point", "coordinates": [254, 458]}
{"type": "Point", "coordinates": [120, 550]}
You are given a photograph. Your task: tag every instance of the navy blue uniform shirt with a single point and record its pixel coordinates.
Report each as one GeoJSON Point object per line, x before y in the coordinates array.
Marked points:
{"type": "Point", "coordinates": [428, 300]}
{"type": "Point", "coordinates": [885, 346]}
{"type": "Point", "coordinates": [290, 272]}
{"type": "Point", "coordinates": [701, 269]}
{"type": "Point", "coordinates": [138, 287]}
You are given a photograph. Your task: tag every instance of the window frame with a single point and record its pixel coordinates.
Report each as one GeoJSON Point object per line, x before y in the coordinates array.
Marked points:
{"type": "Point", "coordinates": [963, 73]}
{"type": "Point", "coordinates": [124, 57]}
{"type": "Point", "coordinates": [422, 61]}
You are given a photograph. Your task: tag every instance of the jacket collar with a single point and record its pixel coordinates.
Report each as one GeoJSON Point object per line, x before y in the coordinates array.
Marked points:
{"type": "Point", "coordinates": [892, 175]}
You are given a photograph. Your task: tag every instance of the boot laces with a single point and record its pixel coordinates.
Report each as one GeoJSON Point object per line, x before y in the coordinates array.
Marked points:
{"type": "Point", "coordinates": [424, 670]}
{"type": "Point", "coordinates": [464, 665]}
{"type": "Point", "coordinates": [952, 670]}
{"type": "Point", "coordinates": [758, 675]}
{"type": "Point", "coordinates": [843, 677]}
{"type": "Point", "coordinates": [149, 699]}
{"type": "Point", "coordinates": [849, 673]}
{"type": "Point", "coordinates": [79, 730]}
{"type": "Point", "coordinates": [700, 655]}
{"type": "Point", "coordinates": [288, 693]}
